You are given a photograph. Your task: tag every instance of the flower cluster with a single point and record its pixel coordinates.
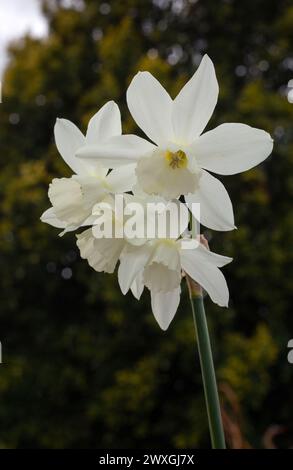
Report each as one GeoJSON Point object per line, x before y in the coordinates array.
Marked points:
{"type": "Point", "coordinates": [172, 165]}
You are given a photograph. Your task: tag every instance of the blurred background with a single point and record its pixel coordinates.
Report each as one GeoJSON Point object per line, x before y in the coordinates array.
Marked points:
{"type": "Point", "coordinates": [84, 366]}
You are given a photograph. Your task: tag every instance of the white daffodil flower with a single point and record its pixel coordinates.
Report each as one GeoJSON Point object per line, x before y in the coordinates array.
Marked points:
{"type": "Point", "coordinates": [176, 163]}
{"type": "Point", "coordinates": [158, 266]}
{"type": "Point", "coordinates": [73, 198]}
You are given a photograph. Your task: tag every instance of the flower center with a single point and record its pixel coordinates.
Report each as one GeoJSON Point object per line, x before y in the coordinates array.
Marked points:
{"type": "Point", "coordinates": [176, 159]}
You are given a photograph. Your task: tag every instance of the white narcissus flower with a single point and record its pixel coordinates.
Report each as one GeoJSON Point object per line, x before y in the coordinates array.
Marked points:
{"type": "Point", "coordinates": [176, 163]}
{"type": "Point", "coordinates": [73, 198]}
{"type": "Point", "coordinates": [158, 266]}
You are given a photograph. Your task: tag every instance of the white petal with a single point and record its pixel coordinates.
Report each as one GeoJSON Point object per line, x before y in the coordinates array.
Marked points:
{"type": "Point", "coordinates": [232, 148]}
{"type": "Point", "coordinates": [110, 250]}
{"type": "Point", "coordinates": [155, 176]}
{"type": "Point", "coordinates": [93, 190]}
{"type": "Point", "coordinates": [170, 222]}
{"type": "Point", "coordinates": [216, 211]}
{"type": "Point", "coordinates": [210, 257]}
{"type": "Point", "coordinates": [104, 124]}
{"type": "Point", "coordinates": [195, 103]}
{"type": "Point", "coordinates": [117, 151]}
{"type": "Point", "coordinates": [213, 258]}
{"type": "Point", "coordinates": [164, 306]}
{"type": "Point", "coordinates": [163, 272]}
{"type": "Point", "coordinates": [137, 286]}
{"type": "Point", "coordinates": [88, 221]}
{"type": "Point", "coordinates": [151, 107]}
{"type": "Point", "coordinates": [167, 253]}
{"type": "Point", "coordinates": [68, 140]}
{"type": "Point", "coordinates": [71, 228]}
{"type": "Point", "coordinates": [101, 254]}
{"type": "Point", "coordinates": [159, 278]}
{"type": "Point", "coordinates": [207, 275]}
{"type": "Point", "coordinates": [49, 217]}
{"type": "Point", "coordinates": [122, 179]}
{"type": "Point", "coordinates": [132, 262]}
{"type": "Point", "coordinates": [66, 197]}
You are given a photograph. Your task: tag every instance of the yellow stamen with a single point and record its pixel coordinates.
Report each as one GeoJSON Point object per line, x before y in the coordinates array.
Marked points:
{"type": "Point", "coordinates": [176, 159]}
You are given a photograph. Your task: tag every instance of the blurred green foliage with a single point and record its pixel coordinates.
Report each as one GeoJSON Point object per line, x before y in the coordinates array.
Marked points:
{"type": "Point", "coordinates": [83, 365]}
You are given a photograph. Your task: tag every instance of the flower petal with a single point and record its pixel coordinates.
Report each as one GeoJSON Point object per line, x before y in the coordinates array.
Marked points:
{"type": "Point", "coordinates": [132, 262]}
{"type": "Point", "coordinates": [66, 197]}
{"type": "Point", "coordinates": [210, 257]}
{"type": "Point", "coordinates": [102, 254]}
{"type": "Point", "coordinates": [195, 103]}
{"type": "Point", "coordinates": [49, 217]}
{"type": "Point", "coordinates": [164, 306]}
{"type": "Point", "coordinates": [213, 258]}
{"type": "Point", "coordinates": [155, 176]}
{"type": "Point", "coordinates": [216, 211]}
{"type": "Point", "coordinates": [151, 107]}
{"type": "Point", "coordinates": [163, 271]}
{"type": "Point", "coordinates": [231, 148]}
{"type": "Point", "coordinates": [68, 139]}
{"type": "Point", "coordinates": [73, 198]}
{"type": "Point", "coordinates": [207, 275]}
{"type": "Point", "coordinates": [137, 286]}
{"type": "Point", "coordinates": [159, 278]}
{"type": "Point", "coordinates": [104, 124]}
{"type": "Point", "coordinates": [122, 179]}
{"type": "Point", "coordinates": [117, 151]}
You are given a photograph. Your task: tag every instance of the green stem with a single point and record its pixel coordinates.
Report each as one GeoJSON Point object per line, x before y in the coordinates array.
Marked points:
{"type": "Point", "coordinates": [207, 367]}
